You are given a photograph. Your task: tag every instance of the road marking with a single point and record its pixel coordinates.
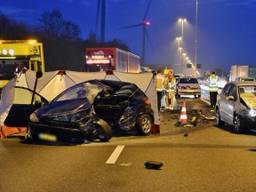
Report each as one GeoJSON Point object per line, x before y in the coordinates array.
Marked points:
{"type": "Point", "coordinates": [115, 154]}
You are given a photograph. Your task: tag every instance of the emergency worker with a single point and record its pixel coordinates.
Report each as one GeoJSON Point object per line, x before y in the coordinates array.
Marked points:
{"type": "Point", "coordinates": [213, 89]}
{"type": "Point", "coordinates": [169, 85]}
{"type": "Point", "coordinates": [159, 88]}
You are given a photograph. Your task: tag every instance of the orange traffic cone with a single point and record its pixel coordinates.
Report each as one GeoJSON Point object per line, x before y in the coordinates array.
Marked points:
{"type": "Point", "coordinates": [183, 114]}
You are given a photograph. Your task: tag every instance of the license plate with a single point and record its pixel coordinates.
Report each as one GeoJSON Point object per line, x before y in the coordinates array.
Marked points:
{"type": "Point", "coordinates": [47, 137]}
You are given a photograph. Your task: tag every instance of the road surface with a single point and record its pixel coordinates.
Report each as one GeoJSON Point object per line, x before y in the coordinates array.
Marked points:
{"type": "Point", "coordinates": [207, 159]}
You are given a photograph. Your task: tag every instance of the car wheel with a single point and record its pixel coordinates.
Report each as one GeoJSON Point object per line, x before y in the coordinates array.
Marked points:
{"type": "Point", "coordinates": [219, 122]}
{"type": "Point", "coordinates": [104, 131]}
{"type": "Point", "coordinates": [144, 124]}
{"type": "Point", "coordinates": [237, 124]}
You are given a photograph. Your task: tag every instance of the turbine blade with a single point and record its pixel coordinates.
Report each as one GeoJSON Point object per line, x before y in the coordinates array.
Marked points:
{"type": "Point", "coordinates": [132, 26]}
{"type": "Point", "coordinates": [147, 10]}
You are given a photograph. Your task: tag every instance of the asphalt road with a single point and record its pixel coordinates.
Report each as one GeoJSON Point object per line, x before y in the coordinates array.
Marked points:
{"type": "Point", "coordinates": [208, 159]}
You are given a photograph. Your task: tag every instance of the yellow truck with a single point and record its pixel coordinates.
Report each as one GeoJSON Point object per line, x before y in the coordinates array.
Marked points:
{"type": "Point", "coordinates": [19, 53]}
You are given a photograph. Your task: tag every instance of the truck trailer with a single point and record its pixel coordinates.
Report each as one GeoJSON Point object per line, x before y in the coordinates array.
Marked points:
{"type": "Point", "coordinates": [109, 59]}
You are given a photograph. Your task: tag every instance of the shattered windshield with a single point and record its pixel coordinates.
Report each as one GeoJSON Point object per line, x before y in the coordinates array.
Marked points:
{"type": "Point", "coordinates": [84, 90]}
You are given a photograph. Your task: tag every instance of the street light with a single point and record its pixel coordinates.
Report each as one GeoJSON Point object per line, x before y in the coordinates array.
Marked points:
{"type": "Point", "coordinates": [182, 21]}
{"type": "Point", "coordinates": [179, 39]}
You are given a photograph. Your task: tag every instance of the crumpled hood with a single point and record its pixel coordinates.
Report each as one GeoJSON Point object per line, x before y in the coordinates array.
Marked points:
{"type": "Point", "coordinates": [63, 108]}
{"type": "Point", "coordinates": [249, 99]}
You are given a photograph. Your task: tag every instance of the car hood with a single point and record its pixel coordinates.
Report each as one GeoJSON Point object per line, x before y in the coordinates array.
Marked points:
{"type": "Point", "coordinates": [64, 107]}
{"type": "Point", "coordinates": [249, 99]}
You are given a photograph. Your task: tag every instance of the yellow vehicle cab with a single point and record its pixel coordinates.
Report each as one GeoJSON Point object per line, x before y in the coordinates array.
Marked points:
{"type": "Point", "coordinates": [19, 54]}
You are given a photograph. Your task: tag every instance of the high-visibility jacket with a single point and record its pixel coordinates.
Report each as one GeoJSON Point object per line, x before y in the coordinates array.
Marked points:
{"type": "Point", "coordinates": [159, 82]}
{"type": "Point", "coordinates": [213, 83]}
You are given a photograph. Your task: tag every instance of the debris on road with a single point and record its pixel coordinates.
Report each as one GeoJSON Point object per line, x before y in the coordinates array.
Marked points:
{"type": "Point", "coordinates": [125, 164]}
{"type": "Point", "coordinates": [153, 165]}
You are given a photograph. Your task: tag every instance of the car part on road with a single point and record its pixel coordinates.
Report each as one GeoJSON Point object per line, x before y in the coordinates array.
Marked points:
{"type": "Point", "coordinates": [207, 117]}
{"type": "Point", "coordinates": [153, 165]}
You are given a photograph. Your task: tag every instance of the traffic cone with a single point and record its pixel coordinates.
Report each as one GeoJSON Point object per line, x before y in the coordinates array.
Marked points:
{"type": "Point", "coordinates": [183, 114]}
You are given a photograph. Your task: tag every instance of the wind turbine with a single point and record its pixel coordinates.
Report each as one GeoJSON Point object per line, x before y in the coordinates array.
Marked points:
{"type": "Point", "coordinates": [145, 23]}
{"type": "Point", "coordinates": [101, 12]}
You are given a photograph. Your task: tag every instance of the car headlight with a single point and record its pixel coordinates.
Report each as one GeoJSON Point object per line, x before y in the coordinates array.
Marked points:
{"type": "Point", "coordinates": [33, 118]}
{"type": "Point", "coordinates": [252, 113]}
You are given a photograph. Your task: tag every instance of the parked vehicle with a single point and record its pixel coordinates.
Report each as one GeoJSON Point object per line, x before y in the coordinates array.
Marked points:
{"type": "Point", "coordinates": [236, 105]}
{"type": "Point", "coordinates": [89, 109]}
{"type": "Point", "coordinates": [18, 54]}
{"type": "Point", "coordinates": [188, 86]}
{"type": "Point", "coordinates": [244, 79]}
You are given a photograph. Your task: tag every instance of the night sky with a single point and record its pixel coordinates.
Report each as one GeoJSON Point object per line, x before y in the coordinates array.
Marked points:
{"type": "Point", "coordinates": [227, 28]}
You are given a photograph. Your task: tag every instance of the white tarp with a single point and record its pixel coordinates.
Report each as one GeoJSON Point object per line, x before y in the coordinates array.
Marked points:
{"type": "Point", "coordinates": [6, 101]}
{"type": "Point", "coordinates": [53, 83]}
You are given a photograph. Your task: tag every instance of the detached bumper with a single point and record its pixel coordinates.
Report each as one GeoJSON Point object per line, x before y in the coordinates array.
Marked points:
{"type": "Point", "coordinates": [55, 133]}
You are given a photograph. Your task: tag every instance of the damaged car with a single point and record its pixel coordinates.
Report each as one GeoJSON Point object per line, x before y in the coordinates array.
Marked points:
{"type": "Point", "coordinates": [90, 110]}
{"type": "Point", "coordinates": [236, 106]}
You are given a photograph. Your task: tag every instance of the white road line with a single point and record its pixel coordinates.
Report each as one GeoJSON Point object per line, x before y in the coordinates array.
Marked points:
{"type": "Point", "coordinates": [115, 154]}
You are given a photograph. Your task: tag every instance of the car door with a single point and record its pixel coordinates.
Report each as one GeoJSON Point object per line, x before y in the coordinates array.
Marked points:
{"type": "Point", "coordinates": [230, 103]}
{"type": "Point", "coordinates": [222, 101]}
{"type": "Point", "coordinates": [21, 109]}
{"type": "Point", "coordinates": [110, 108]}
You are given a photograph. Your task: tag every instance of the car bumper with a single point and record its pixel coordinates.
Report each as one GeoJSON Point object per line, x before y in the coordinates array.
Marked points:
{"type": "Point", "coordinates": [55, 133]}
{"type": "Point", "coordinates": [189, 92]}
{"type": "Point", "coordinates": [249, 122]}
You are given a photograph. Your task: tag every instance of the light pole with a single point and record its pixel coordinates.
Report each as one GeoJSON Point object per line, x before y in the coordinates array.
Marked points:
{"type": "Point", "coordinates": [182, 21]}
{"type": "Point", "coordinates": [196, 32]}
{"type": "Point", "coordinates": [179, 39]}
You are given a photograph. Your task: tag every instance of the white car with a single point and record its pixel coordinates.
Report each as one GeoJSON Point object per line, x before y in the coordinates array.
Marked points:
{"type": "Point", "coordinates": [236, 106]}
{"type": "Point", "coordinates": [188, 86]}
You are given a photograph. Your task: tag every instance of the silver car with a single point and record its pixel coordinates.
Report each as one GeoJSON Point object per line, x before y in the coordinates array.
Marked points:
{"type": "Point", "coordinates": [236, 106]}
{"type": "Point", "coordinates": [188, 86]}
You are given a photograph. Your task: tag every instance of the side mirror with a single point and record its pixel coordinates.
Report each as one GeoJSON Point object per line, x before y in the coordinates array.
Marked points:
{"type": "Point", "coordinates": [38, 104]}
{"type": "Point", "coordinates": [39, 74]}
{"type": "Point", "coordinates": [230, 98]}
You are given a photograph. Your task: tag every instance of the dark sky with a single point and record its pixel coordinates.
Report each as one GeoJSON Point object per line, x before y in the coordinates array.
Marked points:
{"type": "Point", "coordinates": [227, 28]}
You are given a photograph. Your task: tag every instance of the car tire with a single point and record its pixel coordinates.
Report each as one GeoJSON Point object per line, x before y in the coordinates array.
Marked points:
{"type": "Point", "coordinates": [144, 124]}
{"type": "Point", "coordinates": [104, 131]}
{"type": "Point", "coordinates": [219, 122]}
{"type": "Point", "coordinates": [237, 128]}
